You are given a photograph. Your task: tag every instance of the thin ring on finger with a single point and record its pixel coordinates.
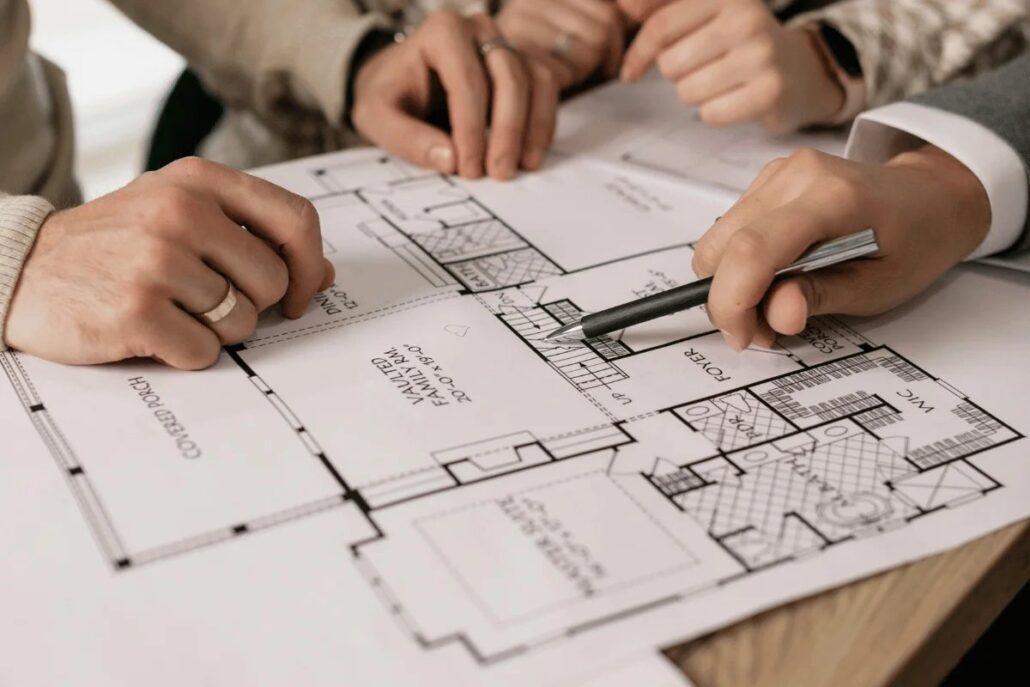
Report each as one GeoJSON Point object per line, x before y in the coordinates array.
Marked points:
{"type": "Point", "coordinates": [510, 95]}
{"type": "Point", "coordinates": [495, 43]}
{"type": "Point", "coordinates": [563, 44]}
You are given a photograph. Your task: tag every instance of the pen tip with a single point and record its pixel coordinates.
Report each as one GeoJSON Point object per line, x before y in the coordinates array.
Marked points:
{"type": "Point", "coordinates": [570, 332]}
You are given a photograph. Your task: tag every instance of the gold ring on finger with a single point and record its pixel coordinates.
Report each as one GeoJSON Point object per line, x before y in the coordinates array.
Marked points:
{"type": "Point", "coordinates": [496, 43]}
{"type": "Point", "coordinates": [222, 310]}
{"type": "Point", "coordinates": [563, 45]}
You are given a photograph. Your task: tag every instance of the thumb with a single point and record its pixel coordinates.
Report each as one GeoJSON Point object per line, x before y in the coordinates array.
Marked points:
{"type": "Point", "coordinates": [329, 277]}
{"type": "Point", "coordinates": [859, 288]}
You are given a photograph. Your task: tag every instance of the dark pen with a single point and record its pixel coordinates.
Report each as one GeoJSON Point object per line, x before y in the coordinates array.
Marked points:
{"type": "Point", "coordinates": [856, 245]}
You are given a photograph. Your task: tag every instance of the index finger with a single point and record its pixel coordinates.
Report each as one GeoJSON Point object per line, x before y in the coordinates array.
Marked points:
{"type": "Point", "coordinates": [662, 28]}
{"type": "Point", "coordinates": [758, 200]}
{"type": "Point", "coordinates": [285, 220]}
{"type": "Point", "coordinates": [455, 59]}
{"type": "Point", "coordinates": [754, 254]}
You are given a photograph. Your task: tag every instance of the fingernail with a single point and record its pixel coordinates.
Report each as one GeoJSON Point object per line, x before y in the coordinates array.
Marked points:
{"type": "Point", "coordinates": [533, 159]}
{"type": "Point", "coordinates": [442, 159]}
{"type": "Point", "coordinates": [734, 343]}
{"type": "Point", "coordinates": [504, 167]}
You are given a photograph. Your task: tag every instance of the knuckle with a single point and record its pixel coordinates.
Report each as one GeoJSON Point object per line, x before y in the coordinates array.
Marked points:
{"type": "Point", "coordinates": [201, 354]}
{"type": "Point", "coordinates": [704, 260]}
{"type": "Point", "coordinates": [274, 286]}
{"type": "Point", "coordinates": [845, 192]}
{"type": "Point", "coordinates": [764, 48]}
{"type": "Point", "coordinates": [710, 115]}
{"type": "Point", "coordinates": [278, 283]}
{"type": "Point", "coordinates": [775, 87]}
{"type": "Point", "coordinates": [747, 246]}
{"type": "Point", "coordinates": [444, 19]}
{"type": "Point", "coordinates": [543, 76]}
{"type": "Point", "coordinates": [686, 93]}
{"type": "Point", "coordinates": [172, 206]}
{"type": "Point", "coordinates": [666, 64]}
{"type": "Point", "coordinates": [156, 257]}
{"type": "Point", "coordinates": [243, 326]}
{"type": "Point", "coordinates": [190, 166]}
{"type": "Point", "coordinates": [751, 20]}
{"type": "Point", "coordinates": [360, 113]}
{"type": "Point", "coordinates": [662, 33]}
{"type": "Point", "coordinates": [807, 160]}
{"type": "Point", "coordinates": [308, 223]}
{"type": "Point", "coordinates": [775, 165]}
{"type": "Point", "coordinates": [634, 9]}
{"type": "Point", "coordinates": [135, 307]}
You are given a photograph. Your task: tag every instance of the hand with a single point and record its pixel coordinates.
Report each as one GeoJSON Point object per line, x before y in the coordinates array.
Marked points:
{"type": "Point", "coordinates": [734, 61]}
{"type": "Point", "coordinates": [929, 211]}
{"type": "Point", "coordinates": [440, 67]}
{"type": "Point", "coordinates": [576, 39]}
{"type": "Point", "coordinates": [119, 277]}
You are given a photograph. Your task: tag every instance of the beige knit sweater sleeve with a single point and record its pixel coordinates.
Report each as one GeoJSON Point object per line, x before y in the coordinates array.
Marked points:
{"type": "Point", "coordinates": [35, 147]}
{"type": "Point", "coordinates": [20, 219]}
{"type": "Point", "coordinates": [286, 61]}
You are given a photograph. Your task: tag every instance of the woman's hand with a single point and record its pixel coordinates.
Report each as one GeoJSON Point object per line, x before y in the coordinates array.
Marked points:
{"type": "Point", "coordinates": [734, 61]}
{"type": "Point", "coordinates": [576, 39]}
{"type": "Point", "coordinates": [501, 106]}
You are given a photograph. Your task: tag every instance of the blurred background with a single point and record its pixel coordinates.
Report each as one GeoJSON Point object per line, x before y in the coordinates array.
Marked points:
{"type": "Point", "coordinates": [117, 75]}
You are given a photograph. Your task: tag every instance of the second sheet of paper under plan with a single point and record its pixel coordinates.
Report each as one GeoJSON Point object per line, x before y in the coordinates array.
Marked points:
{"type": "Point", "coordinates": [409, 485]}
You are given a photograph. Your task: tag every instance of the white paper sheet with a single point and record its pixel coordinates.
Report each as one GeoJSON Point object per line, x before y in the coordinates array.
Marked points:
{"type": "Point", "coordinates": [408, 486]}
{"type": "Point", "coordinates": [644, 125]}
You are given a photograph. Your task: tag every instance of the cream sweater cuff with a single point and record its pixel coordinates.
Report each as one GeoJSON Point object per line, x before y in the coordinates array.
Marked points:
{"type": "Point", "coordinates": [20, 219]}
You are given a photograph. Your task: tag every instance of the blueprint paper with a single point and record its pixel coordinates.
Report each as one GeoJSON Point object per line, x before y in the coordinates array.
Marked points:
{"type": "Point", "coordinates": [644, 125]}
{"type": "Point", "coordinates": [409, 486]}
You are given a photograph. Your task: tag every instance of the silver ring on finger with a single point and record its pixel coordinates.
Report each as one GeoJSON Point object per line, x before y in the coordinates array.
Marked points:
{"type": "Point", "coordinates": [562, 48]}
{"type": "Point", "coordinates": [224, 308]}
{"type": "Point", "coordinates": [496, 43]}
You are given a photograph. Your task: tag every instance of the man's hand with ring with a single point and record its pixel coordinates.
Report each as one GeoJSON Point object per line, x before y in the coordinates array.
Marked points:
{"type": "Point", "coordinates": [576, 39]}
{"type": "Point", "coordinates": [132, 274]}
{"type": "Point", "coordinates": [501, 106]}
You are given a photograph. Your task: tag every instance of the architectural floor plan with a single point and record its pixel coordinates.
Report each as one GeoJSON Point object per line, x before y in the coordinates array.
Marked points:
{"type": "Point", "coordinates": [497, 504]}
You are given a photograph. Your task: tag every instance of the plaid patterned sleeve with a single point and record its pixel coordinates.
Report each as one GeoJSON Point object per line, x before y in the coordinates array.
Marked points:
{"type": "Point", "coordinates": [909, 46]}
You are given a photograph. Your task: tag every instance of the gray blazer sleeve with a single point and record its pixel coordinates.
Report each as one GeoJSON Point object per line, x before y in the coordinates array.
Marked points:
{"type": "Point", "coordinates": [1000, 101]}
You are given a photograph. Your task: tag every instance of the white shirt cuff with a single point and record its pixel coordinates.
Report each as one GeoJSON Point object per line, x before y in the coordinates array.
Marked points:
{"type": "Point", "coordinates": [881, 133]}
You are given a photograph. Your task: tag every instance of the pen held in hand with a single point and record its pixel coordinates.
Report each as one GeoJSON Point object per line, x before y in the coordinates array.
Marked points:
{"type": "Point", "coordinates": [849, 247]}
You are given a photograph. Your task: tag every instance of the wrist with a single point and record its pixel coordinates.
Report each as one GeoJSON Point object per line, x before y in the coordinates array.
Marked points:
{"type": "Point", "coordinates": [956, 185]}
{"type": "Point", "coordinates": [374, 42]}
{"type": "Point", "coordinates": [21, 219]}
{"type": "Point", "coordinates": [840, 64]}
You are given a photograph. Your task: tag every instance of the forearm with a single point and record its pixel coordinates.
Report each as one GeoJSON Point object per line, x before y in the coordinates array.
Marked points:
{"type": "Point", "coordinates": [20, 220]}
{"type": "Point", "coordinates": [287, 62]}
{"type": "Point", "coordinates": [906, 47]}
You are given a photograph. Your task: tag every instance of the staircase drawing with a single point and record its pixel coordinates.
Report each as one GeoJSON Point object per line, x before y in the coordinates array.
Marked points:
{"type": "Point", "coordinates": [580, 364]}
